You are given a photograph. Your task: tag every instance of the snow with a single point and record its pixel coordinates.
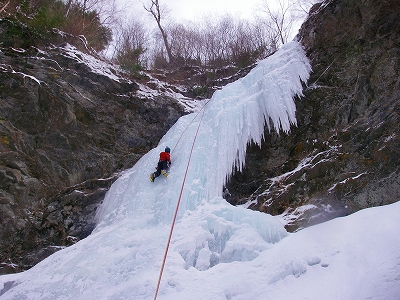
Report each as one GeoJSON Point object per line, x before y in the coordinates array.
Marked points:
{"type": "Point", "coordinates": [164, 89]}
{"type": "Point", "coordinates": [103, 68]}
{"type": "Point", "coordinates": [26, 75]}
{"type": "Point", "coordinates": [9, 69]}
{"type": "Point", "coordinates": [219, 251]}
{"type": "Point", "coordinates": [346, 180]}
{"type": "Point", "coordinates": [96, 65]}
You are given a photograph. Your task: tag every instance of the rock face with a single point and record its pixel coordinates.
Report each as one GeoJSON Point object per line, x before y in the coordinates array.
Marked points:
{"type": "Point", "coordinates": [67, 129]}
{"type": "Point", "coordinates": [68, 125]}
{"type": "Point", "coordinates": [344, 154]}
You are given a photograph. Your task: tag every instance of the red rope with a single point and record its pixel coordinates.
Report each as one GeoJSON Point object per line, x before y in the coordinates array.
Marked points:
{"type": "Point", "coordinates": [202, 109]}
{"type": "Point", "coordinates": [176, 211]}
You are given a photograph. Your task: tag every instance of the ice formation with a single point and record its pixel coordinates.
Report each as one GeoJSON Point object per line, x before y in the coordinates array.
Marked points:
{"type": "Point", "coordinates": [123, 254]}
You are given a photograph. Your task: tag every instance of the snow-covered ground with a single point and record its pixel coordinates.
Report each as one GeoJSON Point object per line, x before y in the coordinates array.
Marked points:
{"type": "Point", "coordinates": [219, 251]}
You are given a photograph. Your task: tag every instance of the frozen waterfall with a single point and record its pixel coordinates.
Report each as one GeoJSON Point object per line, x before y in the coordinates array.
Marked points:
{"type": "Point", "coordinates": [121, 258]}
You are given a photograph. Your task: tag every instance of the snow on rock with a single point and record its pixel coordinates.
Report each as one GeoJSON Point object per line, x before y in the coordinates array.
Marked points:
{"type": "Point", "coordinates": [96, 65]}
{"type": "Point", "coordinates": [219, 251]}
{"type": "Point", "coordinates": [9, 69]}
{"type": "Point", "coordinates": [155, 87]}
{"type": "Point", "coordinates": [126, 247]}
{"type": "Point", "coordinates": [152, 88]}
{"type": "Point", "coordinates": [232, 118]}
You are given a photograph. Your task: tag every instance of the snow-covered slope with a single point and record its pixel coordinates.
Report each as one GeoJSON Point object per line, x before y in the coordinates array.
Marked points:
{"type": "Point", "coordinates": [219, 251]}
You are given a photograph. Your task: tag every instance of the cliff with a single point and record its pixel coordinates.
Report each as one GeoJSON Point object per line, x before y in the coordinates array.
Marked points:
{"type": "Point", "coordinates": [69, 124]}
{"type": "Point", "coordinates": [343, 155]}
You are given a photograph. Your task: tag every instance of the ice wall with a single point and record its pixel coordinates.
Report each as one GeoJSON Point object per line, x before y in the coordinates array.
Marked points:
{"type": "Point", "coordinates": [121, 259]}
{"type": "Point", "coordinates": [234, 116]}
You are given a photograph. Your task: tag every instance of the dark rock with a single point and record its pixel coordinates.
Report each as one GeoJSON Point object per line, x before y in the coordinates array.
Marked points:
{"type": "Point", "coordinates": [201, 82]}
{"type": "Point", "coordinates": [68, 125]}
{"type": "Point", "coordinates": [344, 154]}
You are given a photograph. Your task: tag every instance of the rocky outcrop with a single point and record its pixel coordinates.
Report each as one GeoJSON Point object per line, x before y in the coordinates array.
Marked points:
{"type": "Point", "coordinates": [344, 154]}
{"type": "Point", "coordinates": [196, 82]}
{"type": "Point", "coordinates": [68, 124]}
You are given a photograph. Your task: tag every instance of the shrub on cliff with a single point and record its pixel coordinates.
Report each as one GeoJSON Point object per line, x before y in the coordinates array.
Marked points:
{"type": "Point", "coordinates": [26, 23]}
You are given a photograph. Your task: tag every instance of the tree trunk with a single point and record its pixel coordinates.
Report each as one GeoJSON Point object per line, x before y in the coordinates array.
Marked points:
{"type": "Point", "coordinates": [156, 13]}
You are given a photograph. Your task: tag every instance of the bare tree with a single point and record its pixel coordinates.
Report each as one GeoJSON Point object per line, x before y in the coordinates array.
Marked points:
{"type": "Point", "coordinates": [279, 19]}
{"type": "Point", "coordinates": [284, 15]}
{"type": "Point", "coordinates": [105, 9]}
{"type": "Point", "coordinates": [263, 39]}
{"type": "Point", "coordinates": [181, 38]}
{"type": "Point", "coordinates": [242, 50]}
{"type": "Point", "coordinates": [4, 7]}
{"type": "Point", "coordinates": [158, 13]}
{"type": "Point", "coordinates": [215, 43]}
{"type": "Point", "coordinates": [303, 6]}
{"type": "Point", "coordinates": [131, 45]}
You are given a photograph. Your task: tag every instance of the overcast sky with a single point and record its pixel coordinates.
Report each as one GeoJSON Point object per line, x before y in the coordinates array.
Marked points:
{"type": "Point", "coordinates": [195, 9]}
{"type": "Point", "coordinates": [191, 9]}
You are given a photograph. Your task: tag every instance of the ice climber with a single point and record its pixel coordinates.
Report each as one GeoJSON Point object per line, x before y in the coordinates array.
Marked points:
{"type": "Point", "coordinates": [163, 164]}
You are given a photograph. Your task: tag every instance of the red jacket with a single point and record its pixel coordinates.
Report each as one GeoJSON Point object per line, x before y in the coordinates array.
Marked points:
{"type": "Point", "coordinates": [165, 156]}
